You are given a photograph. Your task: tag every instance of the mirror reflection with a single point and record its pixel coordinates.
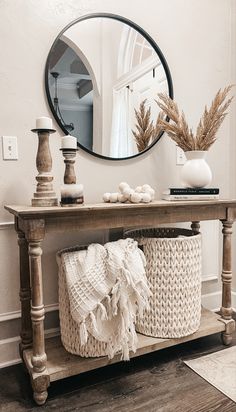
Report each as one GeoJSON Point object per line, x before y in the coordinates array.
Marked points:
{"type": "Point", "coordinates": [98, 73]}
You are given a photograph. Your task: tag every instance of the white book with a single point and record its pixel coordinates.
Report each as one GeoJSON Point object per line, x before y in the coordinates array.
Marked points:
{"type": "Point", "coordinates": [189, 197]}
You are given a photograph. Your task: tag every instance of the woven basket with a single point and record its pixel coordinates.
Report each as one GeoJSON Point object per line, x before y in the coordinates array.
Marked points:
{"type": "Point", "coordinates": [174, 274]}
{"type": "Point", "coordinates": [70, 334]}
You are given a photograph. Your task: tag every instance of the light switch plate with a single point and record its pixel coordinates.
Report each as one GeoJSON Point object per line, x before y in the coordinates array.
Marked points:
{"type": "Point", "coordinates": [9, 148]}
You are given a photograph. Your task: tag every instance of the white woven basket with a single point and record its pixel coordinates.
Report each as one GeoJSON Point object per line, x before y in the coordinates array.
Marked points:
{"type": "Point", "coordinates": [174, 274]}
{"type": "Point", "coordinates": [70, 334]}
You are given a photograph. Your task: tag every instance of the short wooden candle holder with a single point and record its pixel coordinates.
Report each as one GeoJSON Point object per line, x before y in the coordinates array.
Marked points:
{"type": "Point", "coordinates": [71, 193]}
{"type": "Point", "coordinates": [44, 195]}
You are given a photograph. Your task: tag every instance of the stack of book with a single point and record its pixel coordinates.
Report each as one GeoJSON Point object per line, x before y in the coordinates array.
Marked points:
{"type": "Point", "coordinates": [204, 193]}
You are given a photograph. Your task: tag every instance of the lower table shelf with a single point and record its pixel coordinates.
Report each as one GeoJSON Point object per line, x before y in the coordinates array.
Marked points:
{"type": "Point", "coordinates": [61, 364]}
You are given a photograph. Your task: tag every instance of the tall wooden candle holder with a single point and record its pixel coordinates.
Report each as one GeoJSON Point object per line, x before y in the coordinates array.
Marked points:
{"type": "Point", "coordinates": [44, 195]}
{"type": "Point", "coordinates": [71, 193]}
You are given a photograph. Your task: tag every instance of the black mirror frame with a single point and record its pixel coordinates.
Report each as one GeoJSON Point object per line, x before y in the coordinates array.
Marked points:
{"type": "Point", "coordinates": [147, 37]}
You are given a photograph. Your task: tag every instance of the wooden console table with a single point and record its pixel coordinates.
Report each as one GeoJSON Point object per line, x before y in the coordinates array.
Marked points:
{"type": "Point", "coordinates": [32, 223]}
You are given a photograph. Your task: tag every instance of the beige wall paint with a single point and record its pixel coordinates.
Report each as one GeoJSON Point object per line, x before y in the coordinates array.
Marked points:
{"type": "Point", "coordinates": [197, 38]}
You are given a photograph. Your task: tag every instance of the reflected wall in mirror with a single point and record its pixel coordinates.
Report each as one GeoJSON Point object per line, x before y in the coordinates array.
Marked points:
{"type": "Point", "coordinates": [100, 69]}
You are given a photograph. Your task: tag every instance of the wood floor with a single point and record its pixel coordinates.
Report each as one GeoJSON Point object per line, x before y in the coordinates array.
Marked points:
{"type": "Point", "coordinates": [158, 382]}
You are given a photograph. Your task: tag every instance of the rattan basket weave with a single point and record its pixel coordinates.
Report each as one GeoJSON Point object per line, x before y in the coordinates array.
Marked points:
{"type": "Point", "coordinates": [174, 274]}
{"type": "Point", "coordinates": [70, 334]}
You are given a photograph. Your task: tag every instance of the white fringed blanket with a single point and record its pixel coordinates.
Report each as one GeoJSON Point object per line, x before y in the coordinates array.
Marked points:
{"type": "Point", "coordinates": [107, 287]}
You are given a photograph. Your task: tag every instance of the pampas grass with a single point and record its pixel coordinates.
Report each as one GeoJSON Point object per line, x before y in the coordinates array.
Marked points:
{"type": "Point", "coordinates": [144, 127]}
{"type": "Point", "coordinates": [178, 129]}
{"type": "Point", "coordinates": [146, 132]}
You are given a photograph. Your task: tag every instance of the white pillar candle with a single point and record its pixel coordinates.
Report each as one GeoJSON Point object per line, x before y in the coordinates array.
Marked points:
{"type": "Point", "coordinates": [69, 142]}
{"type": "Point", "coordinates": [44, 123]}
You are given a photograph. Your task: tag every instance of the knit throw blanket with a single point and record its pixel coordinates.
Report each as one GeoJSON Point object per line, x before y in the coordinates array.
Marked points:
{"type": "Point", "coordinates": [107, 287]}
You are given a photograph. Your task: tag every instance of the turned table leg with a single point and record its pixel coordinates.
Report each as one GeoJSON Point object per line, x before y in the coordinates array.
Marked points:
{"type": "Point", "coordinates": [226, 309]}
{"type": "Point", "coordinates": [25, 292]}
{"type": "Point", "coordinates": [195, 226]}
{"type": "Point", "coordinates": [40, 378]}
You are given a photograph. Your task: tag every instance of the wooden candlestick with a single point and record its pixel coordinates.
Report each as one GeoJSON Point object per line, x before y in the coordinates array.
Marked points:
{"type": "Point", "coordinates": [69, 155]}
{"type": "Point", "coordinates": [44, 195]}
{"type": "Point", "coordinates": [71, 193]}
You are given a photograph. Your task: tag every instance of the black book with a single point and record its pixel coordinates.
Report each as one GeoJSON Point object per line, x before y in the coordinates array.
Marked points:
{"type": "Point", "coordinates": [192, 191]}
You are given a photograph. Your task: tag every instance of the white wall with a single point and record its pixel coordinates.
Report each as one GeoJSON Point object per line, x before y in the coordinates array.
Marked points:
{"type": "Point", "coordinates": [196, 39]}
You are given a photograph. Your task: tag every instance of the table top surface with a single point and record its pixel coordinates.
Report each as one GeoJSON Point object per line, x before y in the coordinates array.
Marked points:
{"type": "Point", "coordinates": [27, 210]}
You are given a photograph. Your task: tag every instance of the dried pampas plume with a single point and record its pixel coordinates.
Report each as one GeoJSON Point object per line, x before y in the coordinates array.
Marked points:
{"type": "Point", "coordinates": [144, 133]}
{"type": "Point", "coordinates": [178, 129]}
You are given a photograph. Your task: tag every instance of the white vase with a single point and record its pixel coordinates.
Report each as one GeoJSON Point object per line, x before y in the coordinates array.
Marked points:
{"type": "Point", "coordinates": [195, 172]}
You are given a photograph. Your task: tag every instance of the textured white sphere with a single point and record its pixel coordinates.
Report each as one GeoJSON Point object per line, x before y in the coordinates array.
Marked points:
{"type": "Point", "coordinates": [121, 198]}
{"type": "Point", "coordinates": [106, 197]}
{"type": "Point", "coordinates": [151, 192]}
{"type": "Point", "coordinates": [146, 198]}
{"type": "Point", "coordinates": [138, 189]}
{"type": "Point", "coordinates": [114, 197]}
{"type": "Point", "coordinates": [126, 196]}
{"type": "Point", "coordinates": [145, 188]}
{"type": "Point", "coordinates": [128, 192]}
{"type": "Point", "coordinates": [122, 186]}
{"type": "Point", "coordinates": [136, 197]}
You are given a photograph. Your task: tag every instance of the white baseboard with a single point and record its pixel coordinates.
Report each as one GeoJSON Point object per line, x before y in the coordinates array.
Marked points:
{"type": "Point", "coordinates": [9, 348]}
{"type": "Point", "coordinates": [9, 352]}
{"type": "Point", "coordinates": [212, 301]}
{"type": "Point", "coordinates": [234, 301]}
{"type": "Point", "coordinates": [17, 314]}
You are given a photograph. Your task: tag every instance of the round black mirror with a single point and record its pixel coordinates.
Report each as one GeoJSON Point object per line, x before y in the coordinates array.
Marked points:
{"type": "Point", "coordinates": [100, 69]}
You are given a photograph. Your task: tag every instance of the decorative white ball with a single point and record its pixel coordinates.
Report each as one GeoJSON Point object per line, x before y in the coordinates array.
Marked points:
{"type": "Point", "coordinates": [113, 197]}
{"type": "Point", "coordinates": [136, 197]}
{"type": "Point", "coordinates": [121, 198]}
{"type": "Point", "coordinates": [128, 192]}
{"type": "Point", "coordinates": [151, 192]}
{"type": "Point", "coordinates": [138, 189]}
{"type": "Point", "coordinates": [122, 186]}
{"type": "Point", "coordinates": [145, 188]}
{"type": "Point", "coordinates": [146, 198]}
{"type": "Point", "coordinates": [106, 197]}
